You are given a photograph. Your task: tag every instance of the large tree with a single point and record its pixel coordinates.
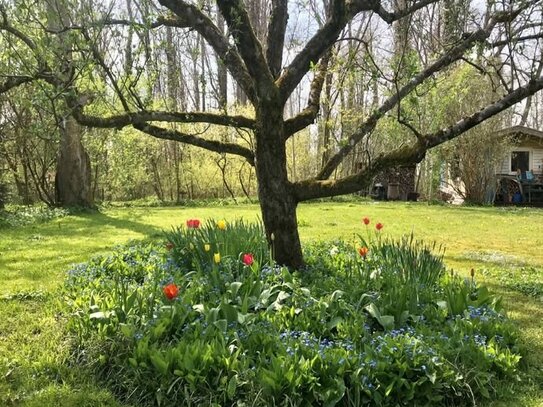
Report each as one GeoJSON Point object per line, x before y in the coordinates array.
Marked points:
{"type": "Point", "coordinates": [256, 61]}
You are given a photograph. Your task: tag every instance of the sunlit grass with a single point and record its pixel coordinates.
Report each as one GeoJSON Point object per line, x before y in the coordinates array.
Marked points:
{"type": "Point", "coordinates": [34, 354]}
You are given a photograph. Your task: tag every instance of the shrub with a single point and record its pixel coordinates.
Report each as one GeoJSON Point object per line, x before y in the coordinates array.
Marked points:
{"type": "Point", "coordinates": [170, 324]}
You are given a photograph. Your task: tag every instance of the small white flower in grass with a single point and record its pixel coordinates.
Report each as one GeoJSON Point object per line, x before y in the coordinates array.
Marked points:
{"type": "Point", "coordinates": [334, 250]}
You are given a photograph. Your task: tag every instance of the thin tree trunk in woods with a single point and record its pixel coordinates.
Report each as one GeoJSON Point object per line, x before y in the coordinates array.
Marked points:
{"type": "Point", "coordinates": [222, 73]}
{"type": "Point", "coordinates": [175, 96]}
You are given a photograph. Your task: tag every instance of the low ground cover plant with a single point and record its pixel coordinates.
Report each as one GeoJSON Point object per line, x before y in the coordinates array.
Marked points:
{"type": "Point", "coordinates": [525, 279]}
{"type": "Point", "coordinates": [15, 216]}
{"type": "Point", "coordinates": [207, 318]}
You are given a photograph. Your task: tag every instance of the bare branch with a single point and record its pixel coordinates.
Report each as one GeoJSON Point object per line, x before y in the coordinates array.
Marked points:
{"type": "Point", "coordinates": [190, 16]}
{"type": "Point", "coordinates": [250, 49]}
{"type": "Point", "coordinates": [211, 145]}
{"type": "Point", "coordinates": [507, 41]}
{"type": "Point", "coordinates": [309, 114]}
{"type": "Point", "coordinates": [413, 129]}
{"type": "Point", "coordinates": [390, 17]}
{"type": "Point", "coordinates": [276, 36]}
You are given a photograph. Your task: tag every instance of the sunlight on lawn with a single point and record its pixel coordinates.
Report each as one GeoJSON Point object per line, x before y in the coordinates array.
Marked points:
{"type": "Point", "coordinates": [36, 257]}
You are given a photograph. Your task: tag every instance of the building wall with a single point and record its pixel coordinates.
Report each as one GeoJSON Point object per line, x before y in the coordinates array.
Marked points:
{"type": "Point", "coordinates": [535, 148]}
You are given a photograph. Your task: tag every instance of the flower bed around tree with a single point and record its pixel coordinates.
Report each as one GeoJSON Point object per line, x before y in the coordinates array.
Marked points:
{"type": "Point", "coordinates": [208, 318]}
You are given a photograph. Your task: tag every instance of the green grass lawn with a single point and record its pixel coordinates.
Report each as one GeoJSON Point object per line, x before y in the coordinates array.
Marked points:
{"type": "Point", "coordinates": [35, 367]}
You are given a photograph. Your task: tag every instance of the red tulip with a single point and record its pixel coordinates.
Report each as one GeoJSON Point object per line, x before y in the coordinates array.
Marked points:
{"type": "Point", "coordinates": [379, 226]}
{"type": "Point", "coordinates": [363, 251]}
{"type": "Point", "coordinates": [248, 259]}
{"type": "Point", "coordinates": [169, 246]}
{"type": "Point", "coordinates": [193, 223]}
{"type": "Point", "coordinates": [366, 221]}
{"type": "Point", "coordinates": [171, 291]}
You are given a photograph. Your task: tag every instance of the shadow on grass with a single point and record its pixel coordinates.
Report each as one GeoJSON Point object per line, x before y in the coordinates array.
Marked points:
{"type": "Point", "coordinates": [100, 219]}
{"type": "Point", "coordinates": [28, 261]}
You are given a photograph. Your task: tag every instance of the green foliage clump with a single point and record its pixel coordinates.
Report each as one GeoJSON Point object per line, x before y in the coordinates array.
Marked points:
{"type": "Point", "coordinates": [525, 279]}
{"type": "Point", "coordinates": [25, 215]}
{"type": "Point", "coordinates": [198, 321]}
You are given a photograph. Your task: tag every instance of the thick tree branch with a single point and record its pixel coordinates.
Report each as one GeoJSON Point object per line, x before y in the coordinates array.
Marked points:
{"type": "Point", "coordinates": [412, 154]}
{"type": "Point", "coordinates": [14, 81]}
{"type": "Point", "coordinates": [276, 36]}
{"type": "Point", "coordinates": [450, 57]}
{"type": "Point", "coordinates": [519, 94]}
{"type": "Point", "coordinates": [123, 120]}
{"type": "Point", "coordinates": [211, 145]}
{"type": "Point", "coordinates": [309, 114]}
{"type": "Point", "coordinates": [312, 189]}
{"type": "Point", "coordinates": [190, 16]}
{"type": "Point", "coordinates": [250, 49]}
{"type": "Point", "coordinates": [516, 40]}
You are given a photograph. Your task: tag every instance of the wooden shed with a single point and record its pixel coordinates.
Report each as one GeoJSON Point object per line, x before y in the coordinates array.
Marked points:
{"type": "Point", "coordinates": [526, 152]}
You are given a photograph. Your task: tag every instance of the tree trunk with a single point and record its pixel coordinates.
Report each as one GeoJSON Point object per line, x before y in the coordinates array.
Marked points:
{"type": "Point", "coordinates": [73, 178]}
{"type": "Point", "coordinates": [277, 201]}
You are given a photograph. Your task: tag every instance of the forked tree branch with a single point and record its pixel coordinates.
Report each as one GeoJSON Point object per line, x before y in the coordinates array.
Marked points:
{"type": "Point", "coordinates": [309, 114]}
{"type": "Point", "coordinates": [390, 17]}
{"type": "Point", "coordinates": [315, 48]}
{"type": "Point", "coordinates": [190, 16]}
{"type": "Point", "coordinates": [447, 59]}
{"type": "Point", "coordinates": [341, 12]}
{"type": "Point", "coordinates": [248, 46]}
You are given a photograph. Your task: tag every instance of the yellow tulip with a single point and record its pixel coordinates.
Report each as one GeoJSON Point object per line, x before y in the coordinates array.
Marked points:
{"type": "Point", "coordinates": [207, 247]}
{"type": "Point", "coordinates": [217, 258]}
{"type": "Point", "coordinates": [221, 224]}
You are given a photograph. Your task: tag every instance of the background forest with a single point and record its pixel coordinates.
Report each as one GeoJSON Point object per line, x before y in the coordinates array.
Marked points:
{"type": "Point", "coordinates": [165, 70]}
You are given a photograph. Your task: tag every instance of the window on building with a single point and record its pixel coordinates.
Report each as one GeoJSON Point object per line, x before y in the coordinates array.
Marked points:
{"type": "Point", "coordinates": [520, 160]}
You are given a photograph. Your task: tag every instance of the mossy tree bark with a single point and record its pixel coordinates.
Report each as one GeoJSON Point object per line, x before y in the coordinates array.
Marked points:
{"type": "Point", "coordinates": [73, 177]}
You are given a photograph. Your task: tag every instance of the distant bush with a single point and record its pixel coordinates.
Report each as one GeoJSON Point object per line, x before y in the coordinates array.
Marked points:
{"type": "Point", "coordinates": [207, 318]}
